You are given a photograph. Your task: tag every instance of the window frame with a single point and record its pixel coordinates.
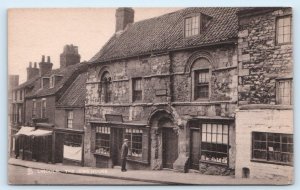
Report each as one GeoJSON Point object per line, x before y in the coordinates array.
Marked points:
{"type": "Point", "coordinates": [103, 131]}
{"type": "Point", "coordinates": [106, 87]}
{"type": "Point", "coordinates": [134, 91]}
{"type": "Point", "coordinates": [43, 108]}
{"type": "Point", "coordinates": [195, 87]}
{"type": "Point", "coordinates": [267, 159]}
{"type": "Point", "coordinates": [34, 109]}
{"type": "Point", "coordinates": [277, 29]}
{"type": "Point", "coordinates": [217, 123]}
{"type": "Point", "coordinates": [52, 81]}
{"type": "Point", "coordinates": [70, 120]}
{"type": "Point", "coordinates": [185, 25]}
{"type": "Point", "coordinates": [277, 87]}
{"type": "Point", "coordinates": [129, 132]}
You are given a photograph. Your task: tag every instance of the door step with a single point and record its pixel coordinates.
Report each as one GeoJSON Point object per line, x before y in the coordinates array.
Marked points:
{"type": "Point", "coordinates": [117, 167]}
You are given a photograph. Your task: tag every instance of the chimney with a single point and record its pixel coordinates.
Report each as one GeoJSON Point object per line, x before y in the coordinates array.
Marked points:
{"type": "Point", "coordinates": [69, 56]}
{"type": "Point", "coordinates": [45, 67]}
{"type": "Point", "coordinates": [32, 71]}
{"type": "Point", "coordinates": [124, 16]}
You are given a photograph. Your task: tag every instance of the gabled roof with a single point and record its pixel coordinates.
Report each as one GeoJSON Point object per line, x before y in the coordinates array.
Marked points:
{"type": "Point", "coordinates": [166, 33]}
{"type": "Point", "coordinates": [68, 75]}
{"type": "Point", "coordinates": [75, 94]}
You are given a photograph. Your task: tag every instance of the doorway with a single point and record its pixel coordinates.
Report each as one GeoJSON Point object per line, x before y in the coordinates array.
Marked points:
{"type": "Point", "coordinates": [169, 147]}
{"type": "Point", "coordinates": [195, 148]}
{"type": "Point", "coordinates": [117, 139]}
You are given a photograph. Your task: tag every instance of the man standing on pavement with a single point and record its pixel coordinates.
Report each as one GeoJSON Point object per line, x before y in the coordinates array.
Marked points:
{"type": "Point", "coordinates": [124, 153]}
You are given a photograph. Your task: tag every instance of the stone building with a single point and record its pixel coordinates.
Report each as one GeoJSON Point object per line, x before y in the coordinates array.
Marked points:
{"type": "Point", "coordinates": [264, 119]}
{"type": "Point", "coordinates": [169, 85]}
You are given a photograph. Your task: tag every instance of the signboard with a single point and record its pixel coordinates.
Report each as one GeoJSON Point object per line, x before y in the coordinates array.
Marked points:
{"type": "Point", "coordinates": [161, 92]}
{"type": "Point", "coordinates": [114, 118]}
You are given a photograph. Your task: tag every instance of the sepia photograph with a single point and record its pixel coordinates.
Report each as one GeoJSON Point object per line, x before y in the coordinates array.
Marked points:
{"type": "Point", "coordinates": [150, 96]}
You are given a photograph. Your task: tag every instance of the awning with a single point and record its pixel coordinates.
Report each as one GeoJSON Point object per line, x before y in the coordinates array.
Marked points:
{"type": "Point", "coordinates": [40, 132]}
{"type": "Point", "coordinates": [30, 131]}
{"type": "Point", "coordinates": [24, 130]}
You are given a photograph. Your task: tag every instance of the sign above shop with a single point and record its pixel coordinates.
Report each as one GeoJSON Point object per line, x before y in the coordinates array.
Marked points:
{"type": "Point", "coordinates": [113, 118]}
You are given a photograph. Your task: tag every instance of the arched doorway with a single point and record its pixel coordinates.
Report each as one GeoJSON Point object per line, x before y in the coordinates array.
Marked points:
{"type": "Point", "coordinates": [169, 142]}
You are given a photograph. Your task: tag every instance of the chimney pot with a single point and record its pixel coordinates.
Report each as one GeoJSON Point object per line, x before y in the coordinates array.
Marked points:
{"type": "Point", "coordinates": [35, 65]}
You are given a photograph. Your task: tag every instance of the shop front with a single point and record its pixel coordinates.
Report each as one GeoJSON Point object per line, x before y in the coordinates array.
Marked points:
{"type": "Point", "coordinates": [108, 138]}
{"type": "Point", "coordinates": [34, 144]}
{"type": "Point", "coordinates": [212, 146]}
{"type": "Point", "coordinates": [68, 148]}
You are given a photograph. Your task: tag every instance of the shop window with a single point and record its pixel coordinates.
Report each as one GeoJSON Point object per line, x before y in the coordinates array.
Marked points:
{"type": "Point", "coordinates": [106, 86]}
{"type": "Point", "coordinates": [202, 84]}
{"type": "Point", "coordinates": [102, 145]}
{"type": "Point", "coordinates": [272, 147]}
{"type": "Point", "coordinates": [192, 26]}
{"type": "Point", "coordinates": [284, 92]}
{"type": "Point", "coordinates": [134, 137]}
{"type": "Point", "coordinates": [137, 89]}
{"type": "Point", "coordinates": [284, 30]}
{"type": "Point", "coordinates": [70, 119]}
{"type": "Point", "coordinates": [214, 143]}
{"type": "Point", "coordinates": [43, 108]}
{"type": "Point", "coordinates": [72, 147]}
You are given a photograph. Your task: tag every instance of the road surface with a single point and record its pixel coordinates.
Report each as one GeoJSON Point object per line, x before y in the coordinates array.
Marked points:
{"type": "Point", "coordinates": [22, 175]}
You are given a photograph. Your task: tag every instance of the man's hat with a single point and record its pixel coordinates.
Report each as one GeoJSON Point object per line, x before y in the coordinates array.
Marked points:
{"type": "Point", "coordinates": [125, 140]}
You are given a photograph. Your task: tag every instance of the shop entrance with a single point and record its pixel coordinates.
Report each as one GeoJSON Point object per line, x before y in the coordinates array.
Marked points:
{"type": "Point", "coordinates": [169, 147]}
{"type": "Point", "coordinates": [117, 140]}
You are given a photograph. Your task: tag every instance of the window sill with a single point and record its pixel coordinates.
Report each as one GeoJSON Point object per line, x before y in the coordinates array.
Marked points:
{"type": "Point", "coordinates": [211, 162]}
{"type": "Point", "coordinates": [99, 154]}
{"type": "Point", "coordinates": [271, 162]}
{"type": "Point", "coordinates": [139, 160]}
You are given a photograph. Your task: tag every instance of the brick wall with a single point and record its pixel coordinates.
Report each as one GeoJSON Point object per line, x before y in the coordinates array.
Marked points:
{"type": "Point", "coordinates": [50, 109]}
{"type": "Point", "coordinates": [61, 118]}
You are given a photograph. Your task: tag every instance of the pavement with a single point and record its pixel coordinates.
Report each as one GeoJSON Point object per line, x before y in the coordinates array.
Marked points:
{"type": "Point", "coordinates": [150, 176]}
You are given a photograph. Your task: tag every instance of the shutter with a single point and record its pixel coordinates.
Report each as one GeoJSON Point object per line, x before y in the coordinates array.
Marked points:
{"type": "Point", "coordinates": [146, 145]}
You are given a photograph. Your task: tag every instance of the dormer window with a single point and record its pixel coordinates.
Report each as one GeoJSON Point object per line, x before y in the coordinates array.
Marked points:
{"type": "Point", "coordinates": [192, 26]}
{"type": "Point", "coordinates": [195, 23]}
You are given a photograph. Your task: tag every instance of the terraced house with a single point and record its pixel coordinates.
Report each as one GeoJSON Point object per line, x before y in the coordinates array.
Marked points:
{"type": "Point", "coordinates": [57, 123]}
{"type": "Point", "coordinates": [169, 85]}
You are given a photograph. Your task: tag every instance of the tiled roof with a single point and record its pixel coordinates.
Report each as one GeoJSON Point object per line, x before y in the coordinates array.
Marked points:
{"type": "Point", "coordinates": [75, 94]}
{"type": "Point", "coordinates": [68, 75]}
{"type": "Point", "coordinates": [166, 32]}
{"type": "Point", "coordinates": [27, 83]}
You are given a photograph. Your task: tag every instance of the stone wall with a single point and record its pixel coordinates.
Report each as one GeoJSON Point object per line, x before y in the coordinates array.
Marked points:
{"type": "Point", "coordinates": [261, 60]}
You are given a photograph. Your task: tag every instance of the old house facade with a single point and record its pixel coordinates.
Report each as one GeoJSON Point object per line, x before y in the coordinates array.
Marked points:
{"type": "Point", "coordinates": [169, 85]}
{"type": "Point", "coordinates": [48, 110]}
{"type": "Point", "coordinates": [265, 116]}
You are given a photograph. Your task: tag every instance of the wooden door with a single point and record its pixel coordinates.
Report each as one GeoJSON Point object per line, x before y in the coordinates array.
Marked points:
{"type": "Point", "coordinates": [169, 147]}
{"type": "Point", "coordinates": [195, 149]}
{"type": "Point", "coordinates": [117, 139]}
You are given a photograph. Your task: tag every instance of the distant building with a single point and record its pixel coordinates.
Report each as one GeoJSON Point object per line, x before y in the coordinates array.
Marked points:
{"type": "Point", "coordinates": [44, 95]}
{"type": "Point", "coordinates": [264, 119]}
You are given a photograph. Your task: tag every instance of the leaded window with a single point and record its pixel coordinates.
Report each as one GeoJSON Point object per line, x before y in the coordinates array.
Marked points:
{"type": "Point", "coordinates": [70, 119]}
{"type": "Point", "coordinates": [284, 29]}
{"type": "Point", "coordinates": [137, 89]}
{"type": "Point", "coordinates": [284, 92]}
